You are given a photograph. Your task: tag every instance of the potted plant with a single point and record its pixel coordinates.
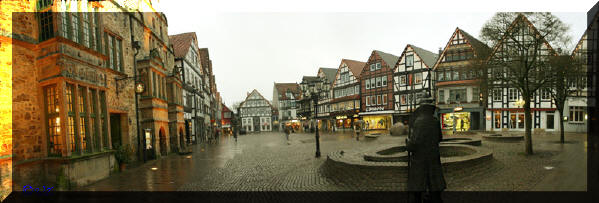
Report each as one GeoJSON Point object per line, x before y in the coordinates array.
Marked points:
{"type": "Point", "coordinates": [122, 156]}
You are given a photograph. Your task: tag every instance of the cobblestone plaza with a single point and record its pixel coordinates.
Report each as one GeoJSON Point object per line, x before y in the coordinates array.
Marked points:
{"type": "Point", "coordinates": [266, 162]}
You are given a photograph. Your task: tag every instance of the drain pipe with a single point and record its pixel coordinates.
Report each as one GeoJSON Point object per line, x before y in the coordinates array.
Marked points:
{"type": "Point", "coordinates": [135, 45]}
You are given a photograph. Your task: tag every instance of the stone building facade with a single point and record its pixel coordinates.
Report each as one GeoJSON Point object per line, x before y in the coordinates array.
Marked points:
{"type": "Point", "coordinates": [74, 99]}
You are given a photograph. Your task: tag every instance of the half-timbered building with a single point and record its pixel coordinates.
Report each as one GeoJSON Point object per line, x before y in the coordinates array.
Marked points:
{"type": "Point", "coordinates": [345, 104]}
{"type": "Point", "coordinates": [576, 103]}
{"type": "Point", "coordinates": [505, 103]}
{"type": "Point", "coordinates": [458, 82]}
{"type": "Point", "coordinates": [412, 76]}
{"type": "Point", "coordinates": [327, 77]}
{"type": "Point", "coordinates": [377, 92]}
{"type": "Point", "coordinates": [255, 113]}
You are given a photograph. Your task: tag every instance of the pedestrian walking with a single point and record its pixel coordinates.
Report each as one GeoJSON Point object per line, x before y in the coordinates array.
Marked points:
{"type": "Point", "coordinates": [358, 125]}
{"type": "Point", "coordinates": [287, 131]}
{"type": "Point", "coordinates": [425, 172]}
{"type": "Point", "coordinates": [455, 120]}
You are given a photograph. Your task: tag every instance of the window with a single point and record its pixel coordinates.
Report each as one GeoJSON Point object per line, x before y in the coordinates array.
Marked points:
{"type": "Point", "coordinates": [418, 79]}
{"type": "Point", "coordinates": [378, 66]}
{"type": "Point", "coordinates": [357, 89]}
{"type": "Point", "coordinates": [378, 82]}
{"type": "Point", "coordinates": [83, 119]}
{"type": "Point", "coordinates": [367, 84]}
{"type": "Point", "coordinates": [85, 29]}
{"type": "Point", "coordinates": [46, 26]}
{"type": "Point", "coordinates": [496, 94]}
{"type": "Point", "coordinates": [378, 99]}
{"type": "Point", "coordinates": [409, 60]}
{"type": "Point", "coordinates": [384, 98]}
{"type": "Point", "coordinates": [55, 146]}
{"type": "Point", "coordinates": [513, 94]}
{"type": "Point", "coordinates": [441, 96]}
{"type": "Point", "coordinates": [372, 67]}
{"type": "Point", "coordinates": [448, 75]}
{"type": "Point", "coordinates": [92, 114]}
{"type": "Point", "coordinates": [43, 4]}
{"type": "Point", "coordinates": [384, 81]}
{"type": "Point", "coordinates": [71, 117]}
{"type": "Point", "coordinates": [545, 94]}
{"type": "Point", "coordinates": [367, 100]}
{"type": "Point", "coordinates": [402, 80]}
{"type": "Point", "coordinates": [75, 27]}
{"type": "Point", "coordinates": [92, 31]}
{"type": "Point", "coordinates": [64, 29]}
{"type": "Point", "coordinates": [402, 99]}
{"type": "Point", "coordinates": [456, 75]}
{"type": "Point", "coordinates": [475, 97]}
{"type": "Point", "coordinates": [154, 84]}
{"type": "Point", "coordinates": [119, 55]}
{"type": "Point", "coordinates": [109, 51]}
{"type": "Point", "coordinates": [497, 120]}
{"type": "Point", "coordinates": [576, 114]}
{"type": "Point", "coordinates": [440, 76]}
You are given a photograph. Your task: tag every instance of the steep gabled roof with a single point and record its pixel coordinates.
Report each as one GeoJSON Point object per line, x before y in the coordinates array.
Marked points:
{"type": "Point", "coordinates": [390, 59]}
{"type": "Point", "coordinates": [329, 73]}
{"type": "Point", "coordinates": [181, 43]}
{"type": "Point", "coordinates": [309, 78]}
{"type": "Point", "coordinates": [580, 43]}
{"type": "Point", "coordinates": [355, 67]}
{"type": "Point", "coordinates": [283, 87]}
{"type": "Point", "coordinates": [520, 17]}
{"type": "Point", "coordinates": [429, 58]}
{"type": "Point", "coordinates": [477, 46]}
{"type": "Point", "coordinates": [250, 94]}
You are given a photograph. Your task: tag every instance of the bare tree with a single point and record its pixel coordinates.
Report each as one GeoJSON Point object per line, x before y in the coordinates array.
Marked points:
{"type": "Point", "coordinates": [567, 74]}
{"type": "Point", "coordinates": [521, 56]}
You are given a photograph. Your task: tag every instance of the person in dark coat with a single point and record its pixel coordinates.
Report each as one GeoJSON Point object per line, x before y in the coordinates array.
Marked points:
{"type": "Point", "coordinates": [425, 172]}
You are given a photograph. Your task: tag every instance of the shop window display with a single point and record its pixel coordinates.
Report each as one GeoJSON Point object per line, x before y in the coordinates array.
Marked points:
{"type": "Point", "coordinates": [461, 120]}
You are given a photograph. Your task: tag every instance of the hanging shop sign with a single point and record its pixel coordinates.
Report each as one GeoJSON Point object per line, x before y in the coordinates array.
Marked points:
{"type": "Point", "coordinates": [459, 108]}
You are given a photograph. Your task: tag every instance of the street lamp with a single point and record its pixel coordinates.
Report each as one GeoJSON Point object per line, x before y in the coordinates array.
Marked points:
{"type": "Point", "coordinates": [313, 90]}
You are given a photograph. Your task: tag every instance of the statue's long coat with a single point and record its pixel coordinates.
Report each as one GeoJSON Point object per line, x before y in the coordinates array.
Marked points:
{"type": "Point", "coordinates": [425, 159]}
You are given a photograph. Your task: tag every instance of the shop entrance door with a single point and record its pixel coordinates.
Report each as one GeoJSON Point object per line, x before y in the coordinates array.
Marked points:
{"type": "Point", "coordinates": [115, 130]}
{"type": "Point", "coordinates": [550, 121]}
{"type": "Point", "coordinates": [474, 121]}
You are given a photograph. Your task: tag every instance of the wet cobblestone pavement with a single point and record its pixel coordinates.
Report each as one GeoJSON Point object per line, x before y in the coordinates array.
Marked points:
{"type": "Point", "coordinates": [267, 162]}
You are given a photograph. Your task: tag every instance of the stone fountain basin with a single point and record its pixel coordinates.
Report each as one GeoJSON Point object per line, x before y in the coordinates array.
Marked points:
{"type": "Point", "coordinates": [396, 157]}
{"type": "Point", "coordinates": [503, 137]}
{"type": "Point", "coordinates": [462, 140]}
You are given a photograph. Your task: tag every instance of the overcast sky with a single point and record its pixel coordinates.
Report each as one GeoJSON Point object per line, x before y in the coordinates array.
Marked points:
{"type": "Point", "coordinates": [253, 44]}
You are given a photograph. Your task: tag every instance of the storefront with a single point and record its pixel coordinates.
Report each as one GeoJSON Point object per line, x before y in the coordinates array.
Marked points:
{"type": "Point", "coordinates": [378, 122]}
{"type": "Point", "coordinates": [294, 124]}
{"type": "Point", "coordinates": [459, 120]}
{"type": "Point", "coordinates": [344, 122]}
{"type": "Point", "coordinates": [464, 119]}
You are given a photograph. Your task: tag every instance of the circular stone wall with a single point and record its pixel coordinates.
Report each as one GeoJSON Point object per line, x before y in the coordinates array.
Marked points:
{"type": "Point", "coordinates": [503, 137]}
{"type": "Point", "coordinates": [388, 165]}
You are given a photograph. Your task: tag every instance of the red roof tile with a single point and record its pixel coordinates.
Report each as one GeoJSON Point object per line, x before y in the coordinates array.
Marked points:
{"type": "Point", "coordinates": [354, 66]}
{"type": "Point", "coordinates": [181, 43]}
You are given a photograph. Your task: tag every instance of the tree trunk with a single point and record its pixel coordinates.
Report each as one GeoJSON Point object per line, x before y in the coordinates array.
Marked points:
{"type": "Point", "coordinates": [527, 126]}
{"type": "Point", "coordinates": [561, 127]}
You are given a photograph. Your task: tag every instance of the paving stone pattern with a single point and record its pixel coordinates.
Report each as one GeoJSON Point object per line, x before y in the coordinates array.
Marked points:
{"type": "Point", "coordinates": [267, 162]}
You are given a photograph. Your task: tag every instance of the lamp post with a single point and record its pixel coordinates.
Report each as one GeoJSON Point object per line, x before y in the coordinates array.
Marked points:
{"type": "Point", "coordinates": [312, 90]}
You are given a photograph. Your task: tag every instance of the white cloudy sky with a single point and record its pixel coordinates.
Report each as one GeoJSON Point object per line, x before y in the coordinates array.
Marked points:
{"type": "Point", "coordinates": [253, 44]}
